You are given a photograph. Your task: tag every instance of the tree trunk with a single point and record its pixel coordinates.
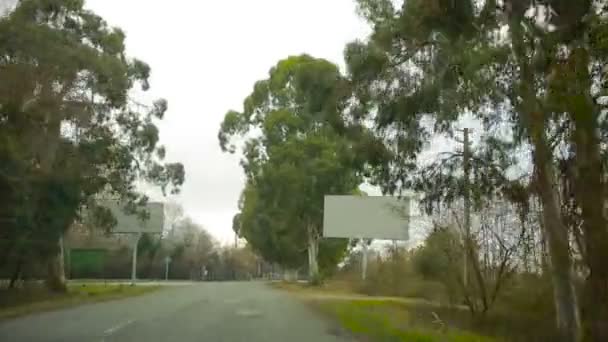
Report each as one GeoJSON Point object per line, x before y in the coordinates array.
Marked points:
{"type": "Point", "coordinates": [534, 118]}
{"type": "Point", "coordinates": [590, 196]}
{"type": "Point", "coordinates": [566, 307]}
{"type": "Point", "coordinates": [46, 156]}
{"type": "Point", "coordinates": [56, 274]}
{"type": "Point", "coordinates": [313, 250]}
{"type": "Point", "coordinates": [16, 273]}
{"type": "Point", "coordinates": [589, 192]}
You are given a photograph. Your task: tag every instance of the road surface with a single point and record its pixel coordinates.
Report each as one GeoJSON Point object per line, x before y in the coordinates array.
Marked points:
{"type": "Point", "coordinates": [210, 312]}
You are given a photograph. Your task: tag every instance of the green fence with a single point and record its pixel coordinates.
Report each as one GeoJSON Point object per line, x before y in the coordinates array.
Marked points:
{"type": "Point", "coordinates": [87, 263]}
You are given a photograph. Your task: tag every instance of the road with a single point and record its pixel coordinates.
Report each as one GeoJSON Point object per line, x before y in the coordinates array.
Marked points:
{"type": "Point", "coordinates": [222, 311]}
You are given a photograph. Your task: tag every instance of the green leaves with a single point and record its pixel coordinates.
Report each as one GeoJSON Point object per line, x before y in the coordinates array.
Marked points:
{"type": "Point", "coordinates": [421, 70]}
{"type": "Point", "coordinates": [298, 147]}
{"type": "Point", "coordinates": [440, 258]}
{"type": "Point", "coordinates": [233, 124]}
{"type": "Point", "coordinates": [159, 109]}
{"type": "Point", "coordinates": [376, 11]}
{"type": "Point", "coordinates": [69, 130]}
{"type": "Point", "coordinates": [140, 71]}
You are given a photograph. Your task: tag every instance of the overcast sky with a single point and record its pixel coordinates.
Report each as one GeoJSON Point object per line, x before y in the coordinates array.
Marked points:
{"type": "Point", "coordinates": [205, 57]}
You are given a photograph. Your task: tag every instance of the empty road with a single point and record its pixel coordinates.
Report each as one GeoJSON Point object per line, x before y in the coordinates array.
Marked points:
{"type": "Point", "coordinates": [230, 311]}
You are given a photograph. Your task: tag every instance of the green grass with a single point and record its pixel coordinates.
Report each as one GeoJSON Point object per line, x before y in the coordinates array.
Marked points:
{"type": "Point", "coordinates": [381, 320]}
{"type": "Point", "coordinates": [522, 315]}
{"type": "Point", "coordinates": [23, 301]}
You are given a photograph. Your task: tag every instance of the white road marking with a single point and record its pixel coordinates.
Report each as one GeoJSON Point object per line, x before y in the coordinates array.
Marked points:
{"type": "Point", "coordinates": [115, 328]}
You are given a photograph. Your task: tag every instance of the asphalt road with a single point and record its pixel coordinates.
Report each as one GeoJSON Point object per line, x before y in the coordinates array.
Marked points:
{"type": "Point", "coordinates": [228, 311]}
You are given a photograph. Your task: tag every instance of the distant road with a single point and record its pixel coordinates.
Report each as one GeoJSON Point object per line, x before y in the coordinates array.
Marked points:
{"type": "Point", "coordinates": [210, 312]}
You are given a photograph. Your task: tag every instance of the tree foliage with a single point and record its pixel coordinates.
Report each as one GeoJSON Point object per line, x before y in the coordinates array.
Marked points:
{"type": "Point", "coordinates": [305, 149]}
{"type": "Point", "coordinates": [532, 73]}
{"type": "Point", "coordinates": [68, 129]}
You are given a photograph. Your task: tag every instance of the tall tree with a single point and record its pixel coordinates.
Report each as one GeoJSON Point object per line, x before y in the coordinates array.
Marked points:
{"type": "Point", "coordinates": [69, 129]}
{"type": "Point", "coordinates": [305, 150]}
{"type": "Point", "coordinates": [534, 68]}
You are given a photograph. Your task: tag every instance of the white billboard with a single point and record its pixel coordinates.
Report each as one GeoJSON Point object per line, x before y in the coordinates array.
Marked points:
{"type": "Point", "coordinates": [369, 217]}
{"type": "Point", "coordinates": [131, 223]}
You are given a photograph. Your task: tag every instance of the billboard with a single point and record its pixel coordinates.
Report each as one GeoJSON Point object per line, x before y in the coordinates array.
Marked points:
{"type": "Point", "coordinates": [131, 223]}
{"type": "Point", "coordinates": [369, 217]}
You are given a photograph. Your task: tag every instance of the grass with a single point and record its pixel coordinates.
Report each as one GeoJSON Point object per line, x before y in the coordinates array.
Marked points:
{"type": "Point", "coordinates": [381, 320]}
{"type": "Point", "coordinates": [327, 287]}
{"type": "Point", "coordinates": [378, 318]}
{"type": "Point", "coordinates": [32, 299]}
{"type": "Point", "coordinates": [339, 290]}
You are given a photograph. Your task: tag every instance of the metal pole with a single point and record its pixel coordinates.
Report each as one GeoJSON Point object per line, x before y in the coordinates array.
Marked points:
{"type": "Point", "coordinates": [364, 261]}
{"type": "Point", "coordinates": [62, 253]}
{"type": "Point", "coordinates": [166, 269]}
{"type": "Point", "coordinates": [134, 260]}
{"type": "Point", "coordinates": [467, 203]}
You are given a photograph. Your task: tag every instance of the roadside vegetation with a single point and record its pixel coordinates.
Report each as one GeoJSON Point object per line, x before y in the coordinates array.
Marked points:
{"type": "Point", "coordinates": [493, 113]}
{"type": "Point", "coordinates": [384, 320]}
{"type": "Point", "coordinates": [194, 252]}
{"type": "Point", "coordinates": [70, 132]}
{"type": "Point", "coordinates": [37, 298]}
{"type": "Point", "coordinates": [406, 300]}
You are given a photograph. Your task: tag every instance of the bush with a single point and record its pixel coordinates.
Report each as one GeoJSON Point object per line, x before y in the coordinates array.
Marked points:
{"type": "Point", "coordinates": [393, 275]}
{"type": "Point", "coordinates": [316, 280]}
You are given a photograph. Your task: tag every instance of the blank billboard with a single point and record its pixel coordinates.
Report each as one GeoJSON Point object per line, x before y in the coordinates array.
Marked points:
{"type": "Point", "coordinates": [370, 217]}
{"type": "Point", "coordinates": [131, 223]}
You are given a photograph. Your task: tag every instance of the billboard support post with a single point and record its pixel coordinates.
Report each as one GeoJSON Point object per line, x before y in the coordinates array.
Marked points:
{"type": "Point", "coordinates": [134, 259]}
{"type": "Point", "coordinates": [364, 261]}
{"type": "Point", "coordinates": [167, 262]}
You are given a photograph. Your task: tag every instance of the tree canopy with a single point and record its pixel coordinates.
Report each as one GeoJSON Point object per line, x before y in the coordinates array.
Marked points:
{"type": "Point", "coordinates": [298, 148]}
{"type": "Point", "coordinates": [532, 74]}
{"type": "Point", "coordinates": [68, 128]}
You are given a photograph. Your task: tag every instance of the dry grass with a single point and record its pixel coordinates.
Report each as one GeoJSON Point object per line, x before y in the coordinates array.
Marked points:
{"type": "Point", "coordinates": [339, 290]}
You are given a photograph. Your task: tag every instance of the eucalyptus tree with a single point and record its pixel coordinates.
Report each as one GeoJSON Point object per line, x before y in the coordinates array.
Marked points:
{"type": "Point", "coordinates": [299, 147]}
{"type": "Point", "coordinates": [535, 68]}
{"type": "Point", "coordinates": [69, 128]}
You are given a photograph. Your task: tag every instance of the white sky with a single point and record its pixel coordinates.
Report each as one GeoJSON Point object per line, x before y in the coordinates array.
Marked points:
{"type": "Point", "coordinates": [205, 57]}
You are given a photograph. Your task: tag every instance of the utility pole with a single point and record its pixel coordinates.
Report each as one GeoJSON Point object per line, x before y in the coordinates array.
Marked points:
{"type": "Point", "coordinates": [467, 202]}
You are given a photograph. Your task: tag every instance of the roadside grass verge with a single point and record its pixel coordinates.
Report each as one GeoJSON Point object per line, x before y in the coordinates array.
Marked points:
{"type": "Point", "coordinates": [331, 290]}
{"type": "Point", "coordinates": [379, 318]}
{"type": "Point", "coordinates": [327, 287]}
{"type": "Point", "coordinates": [36, 298]}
